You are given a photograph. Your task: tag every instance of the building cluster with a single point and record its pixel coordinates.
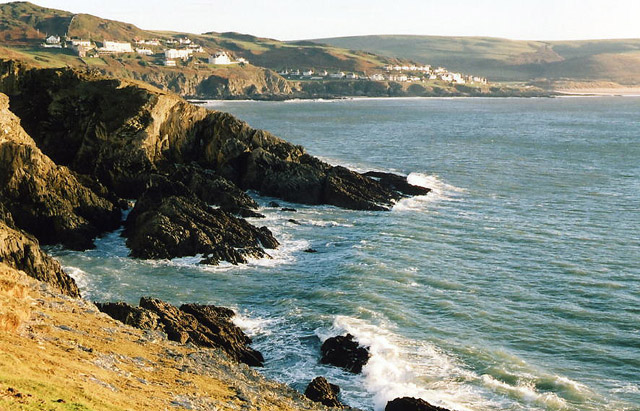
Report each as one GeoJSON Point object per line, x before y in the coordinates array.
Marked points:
{"type": "Point", "coordinates": [400, 74]}
{"type": "Point", "coordinates": [171, 50]}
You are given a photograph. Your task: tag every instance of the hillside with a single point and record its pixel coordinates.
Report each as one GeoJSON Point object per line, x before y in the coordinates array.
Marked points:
{"type": "Point", "coordinates": [511, 60]}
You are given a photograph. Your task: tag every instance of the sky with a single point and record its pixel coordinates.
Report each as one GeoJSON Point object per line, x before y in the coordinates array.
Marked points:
{"type": "Point", "coordinates": [296, 20]}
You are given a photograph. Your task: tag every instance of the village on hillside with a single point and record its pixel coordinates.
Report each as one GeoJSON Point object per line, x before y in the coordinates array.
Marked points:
{"type": "Point", "coordinates": [177, 51]}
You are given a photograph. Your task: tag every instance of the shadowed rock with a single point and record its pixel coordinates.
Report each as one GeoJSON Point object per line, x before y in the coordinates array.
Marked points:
{"type": "Point", "coordinates": [45, 199]}
{"type": "Point", "coordinates": [344, 352]}
{"type": "Point", "coordinates": [319, 390]}
{"type": "Point", "coordinates": [131, 315]}
{"type": "Point", "coordinates": [170, 221]}
{"type": "Point", "coordinates": [397, 183]}
{"type": "Point", "coordinates": [411, 404]}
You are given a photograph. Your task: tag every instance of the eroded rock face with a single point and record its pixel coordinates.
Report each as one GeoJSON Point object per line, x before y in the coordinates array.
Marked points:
{"type": "Point", "coordinates": [344, 352]}
{"type": "Point", "coordinates": [320, 390]}
{"type": "Point", "coordinates": [411, 404]}
{"type": "Point", "coordinates": [169, 221]}
{"type": "Point", "coordinates": [122, 133]}
{"type": "Point", "coordinates": [202, 325]}
{"type": "Point", "coordinates": [397, 183]}
{"type": "Point", "coordinates": [22, 251]}
{"type": "Point", "coordinates": [45, 199]}
{"type": "Point", "coordinates": [137, 317]}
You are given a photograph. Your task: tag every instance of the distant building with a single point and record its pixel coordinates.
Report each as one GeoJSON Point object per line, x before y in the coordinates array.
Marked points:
{"type": "Point", "coordinates": [221, 58]}
{"type": "Point", "coordinates": [377, 77]}
{"type": "Point", "coordinates": [170, 63]}
{"type": "Point", "coordinates": [339, 74]}
{"type": "Point", "coordinates": [109, 46]}
{"type": "Point", "coordinates": [182, 54]}
{"type": "Point", "coordinates": [80, 42]}
{"type": "Point", "coordinates": [352, 76]}
{"type": "Point", "coordinates": [52, 42]}
{"type": "Point", "coordinates": [308, 73]}
{"type": "Point", "coordinates": [154, 42]}
{"type": "Point", "coordinates": [242, 60]}
{"type": "Point", "coordinates": [145, 52]}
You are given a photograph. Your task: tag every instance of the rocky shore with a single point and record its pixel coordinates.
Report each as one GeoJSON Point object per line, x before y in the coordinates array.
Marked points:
{"type": "Point", "coordinates": [73, 146]}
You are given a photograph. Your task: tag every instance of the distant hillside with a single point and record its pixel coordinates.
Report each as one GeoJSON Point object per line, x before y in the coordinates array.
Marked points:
{"type": "Point", "coordinates": [511, 60]}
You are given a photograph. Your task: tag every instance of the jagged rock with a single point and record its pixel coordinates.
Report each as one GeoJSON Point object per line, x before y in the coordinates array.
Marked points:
{"type": "Point", "coordinates": [411, 404]}
{"type": "Point", "coordinates": [169, 221]}
{"type": "Point", "coordinates": [45, 199]}
{"type": "Point", "coordinates": [212, 188]}
{"type": "Point", "coordinates": [344, 352]}
{"type": "Point", "coordinates": [204, 326]}
{"type": "Point", "coordinates": [293, 221]}
{"type": "Point", "coordinates": [320, 390]}
{"type": "Point", "coordinates": [21, 251]}
{"type": "Point", "coordinates": [224, 333]}
{"type": "Point", "coordinates": [243, 212]}
{"type": "Point", "coordinates": [293, 210]}
{"type": "Point", "coordinates": [121, 133]}
{"type": "Point", "coordinates": [310, 250]}
{"type": "Point", "coordinates": [273, 204]}
{"type": "Point", "coordinates": [131, 315]}
{"type": "Point", "coordinates": [398, 183]}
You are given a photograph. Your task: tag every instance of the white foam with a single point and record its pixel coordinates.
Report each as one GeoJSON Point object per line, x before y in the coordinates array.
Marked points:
{"type": "Point", "coordinates": [439, 191]}
{"type": "Point", "coordinates": [253, 326]}
{"type": "Point", "coordinates": [526, 391]}
{"type": "Point", "coordinates": [399, 368]}
{"type": "Point", "coordinates": [81, 278]}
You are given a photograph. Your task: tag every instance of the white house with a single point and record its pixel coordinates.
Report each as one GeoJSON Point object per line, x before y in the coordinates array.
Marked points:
{"type": "Point", "coordinates": [79, 42]}
{"type": "Point", "coordinates": [339, 74]}
{"type": "Point", "coordinates": [172, 54]}
{"type": "Point", "coordinates": [308, 73]}
{"type": "Point", "coordinates": [377, 77]}
{"type": "Point", "coordinates": [242, 60]}
{"type": "Point", "coordinates": [222, 58]}
{"type": "Point", "coordinates": [145, 52]}
{"type": "Point", "coordinates": [170, 63]}
{"type": "Point", "coordinates": [352, 76]}
{"type": "Point", "coordinates": [109, 46]}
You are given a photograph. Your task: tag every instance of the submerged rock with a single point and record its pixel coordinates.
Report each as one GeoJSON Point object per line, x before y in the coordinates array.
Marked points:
{"type": "Point", "coordinates": [169, 221]}
{"type": "Point", "coordinates": [202, 325]}
{"type": "Point", "coordinates": [344, 352]}
{"type": "Point", "coordinates": [320, 390]}
{"type": "Point", "coordinates": [411, 404]}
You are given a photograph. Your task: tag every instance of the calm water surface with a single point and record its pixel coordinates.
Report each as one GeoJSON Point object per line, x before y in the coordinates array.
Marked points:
{"type": "Point", "coordinates": [514, 285]}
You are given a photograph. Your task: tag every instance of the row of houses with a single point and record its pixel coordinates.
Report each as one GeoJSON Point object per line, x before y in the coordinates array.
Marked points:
{"type": "Point", "coordinates": [182, 48]}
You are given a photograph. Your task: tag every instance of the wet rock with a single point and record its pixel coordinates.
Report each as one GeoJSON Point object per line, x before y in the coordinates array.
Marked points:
{"type": "Point", "coordinates": [398, 183]}
{"type": "Point", "coordinates": [243, 212]}
{"type": "Point", "coordinates": [348, 189]}
{"type": "Point", "coordinates": [344, 352]}
{"type": "Point", "coordinates": [288, 209]}
{"type": "Point", "coordinates": [319, 390]}
{"type": "Point", "coordinates": [273, 204]}
{"type": "Point", "coordinates": [293, 221]}
{"type": "Point", "coordinates": [224, 333]}
{"type": "Point", "coordinates": [310, 250]}
{"type": "Point", "coordinates": [169, 221]}
{"type": "Point", "coordinates": [411, 404]}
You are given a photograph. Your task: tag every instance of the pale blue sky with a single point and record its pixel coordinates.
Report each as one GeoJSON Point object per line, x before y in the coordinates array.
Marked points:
{"type": "Point", "coordinates": [290, 20]}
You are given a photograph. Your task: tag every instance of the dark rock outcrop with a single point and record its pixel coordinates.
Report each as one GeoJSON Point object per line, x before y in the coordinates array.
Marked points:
{"type": "Point", "coordinates": [202, 325]}
{"type": "Point", "coordinates": [21, 251]}
{"type": "Point", "coordinates": [45, 199]}
{"type": "Point", "coordinates": [170, 221]}
{"type": "Point", "coordinates": [344, 352]}
{"type": "Point", "coordinates": [397, 183]}
{"type": "Point", "coordinates": [411, 404]}
{"type": "Point", "coordinates": [122, 133]}
{"type": "Point", "coordinates": [320, 390]}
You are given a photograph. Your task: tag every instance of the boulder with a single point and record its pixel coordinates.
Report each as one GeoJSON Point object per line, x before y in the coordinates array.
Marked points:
{"type": "Point", "coordinates": [344, 352]}
{"type": "Point", "coordinates": [411, 404]}
{"type": "Point", "coordinates": [45, 199]}
{"type": "Point", "coordinates": [397, 183]}
{"type": "Point", "coordinates": [319, 390]}
{"type": "Point", "coordinates": [348, 189]}
{"type": "Point", "coordinates": [169, 221]}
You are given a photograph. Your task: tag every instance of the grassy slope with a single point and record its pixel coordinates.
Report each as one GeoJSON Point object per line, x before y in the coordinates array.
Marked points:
{"type": "Point", "coordinates": [502, 59]}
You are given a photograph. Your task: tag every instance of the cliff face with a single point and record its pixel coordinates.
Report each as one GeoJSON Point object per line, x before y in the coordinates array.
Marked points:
{"type": "Point", "coordinates": [43, 198]}
{"type": "Point", "coordinates": [122, 133]}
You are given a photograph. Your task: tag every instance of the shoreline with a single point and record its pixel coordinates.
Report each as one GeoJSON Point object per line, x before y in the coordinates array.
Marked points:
{"type": "Point", "coordinates": [600, 92]}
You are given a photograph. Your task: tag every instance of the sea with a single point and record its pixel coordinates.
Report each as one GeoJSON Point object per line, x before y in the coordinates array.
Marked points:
{"type": "Point", "coordinates": [513, 285]}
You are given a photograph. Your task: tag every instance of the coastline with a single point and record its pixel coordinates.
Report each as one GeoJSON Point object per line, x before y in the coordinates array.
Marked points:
{"type": "Point", "coordinates": [600, 91]}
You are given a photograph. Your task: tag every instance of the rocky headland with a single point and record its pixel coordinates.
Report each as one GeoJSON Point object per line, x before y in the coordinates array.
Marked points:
{"type": "Point", "coordinates": [76, 150]}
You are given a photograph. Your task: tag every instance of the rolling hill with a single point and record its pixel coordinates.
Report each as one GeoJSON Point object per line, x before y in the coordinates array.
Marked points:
{"type": "Point", "coordinates": [498, 59]}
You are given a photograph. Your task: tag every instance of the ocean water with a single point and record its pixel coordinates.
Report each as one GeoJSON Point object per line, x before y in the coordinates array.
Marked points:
{"type": "Point", "coordinates": [514, 285]}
